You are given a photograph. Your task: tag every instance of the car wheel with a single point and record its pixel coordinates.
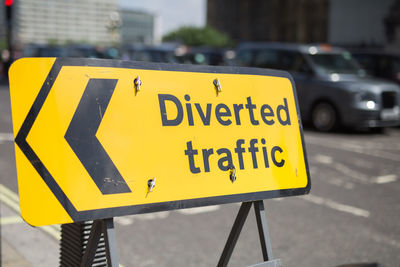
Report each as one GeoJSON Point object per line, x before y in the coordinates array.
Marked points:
{"type": "Point", "coordinates": [324, 117]}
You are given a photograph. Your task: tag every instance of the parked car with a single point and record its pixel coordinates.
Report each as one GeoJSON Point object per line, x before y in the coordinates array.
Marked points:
{"type": "Point", "coordinates": [82, 51]}
{"type": "Point", "coordinates": [165, 53]}
{"type": "Point", "coordinates": [379, 63]}
{"type": "Point", "coordinates": [332, 88]}
{"type": "Point", "coordinates": [205, 56]}
{"type": "Point", "coordinates": [34, 50]}
{"type": "Point", "coordinates": [76, 50]}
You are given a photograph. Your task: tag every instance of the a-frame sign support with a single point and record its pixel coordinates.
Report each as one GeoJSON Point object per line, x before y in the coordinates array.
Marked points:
{"type": "Point", "coordinates": [262, 230]}
{"type": "Point", "coordinates": [89, 244]}
{"type": "Point", "coordinates": [100, 244]}
{"type": "Point", "coordinates": [105, 227]}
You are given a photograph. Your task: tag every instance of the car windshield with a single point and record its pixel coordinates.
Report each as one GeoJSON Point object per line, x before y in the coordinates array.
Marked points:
{"type": "Point", "coordinates": [336, 63]}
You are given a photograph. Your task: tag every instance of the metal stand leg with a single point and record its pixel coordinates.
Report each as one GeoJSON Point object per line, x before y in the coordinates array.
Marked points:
{"type": "Point", "coordinates": [262, 230]}
{"type": "Point", "coordinates": [234, 235]}
{"type": "Point", "coordinates": [111, 244]}
{"type": "Point", "coordinates": [91, 247]}
{"type": "Point", "coordinates": [73, 243]}
{"type": "Point", "coordinates": [105, 227]}
{"type": "Point", "coordinates": [88, 244]}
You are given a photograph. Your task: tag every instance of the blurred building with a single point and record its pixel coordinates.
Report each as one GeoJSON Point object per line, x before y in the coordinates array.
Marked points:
{"type": "Point", "coordinates": [358, 22]}
{"type": "Point", "coordinates": [66, 21]}
{"type": "Point", "coordinates": [139, 27]}
{"type": "Point", "coordinates": [341, 22]}
{"type": "Point", "coordinates": [270, 20]}
{"type": "Point", "coordinates": [2, 24]}
{"type": "Point", "coordinates": [392, 26]}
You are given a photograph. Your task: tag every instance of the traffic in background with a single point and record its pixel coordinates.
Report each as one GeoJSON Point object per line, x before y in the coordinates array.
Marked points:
{"type": "Point", "coordinates": [336, 89]}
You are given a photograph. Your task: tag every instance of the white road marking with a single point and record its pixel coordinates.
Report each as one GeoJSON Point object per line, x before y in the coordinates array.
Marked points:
{"type": "Point", "coordinates": [356, 175]}
{"type": "Point", "coordinates": [361, 177]}
{"type": "Point", "coordinates": [324, 159]}
{"type": "Point", "coordinates": [10, 220]}
{"type": "Point", "coordinates": [192, 211]}
{"type": "Point", "coordinates": [341, 168]}
{"type": "Point", "coordinates": [340, 183]}
{"type": "Point", "coordinates": [361, 149]}
{"type": "Point", "coordinates": [125, 220]}
{"type": "Point", "coordinates": [9, 193]}
{"type": "Point", "coordinates": [386, 179]}
{"type": "Point", "coordinates": [336, 205]}
{"type": "Point", "coordinates": [11, 199]}
{"type": "Point", "coordinates": [53, 230]}
{"type": "Point", "coordinates": [327, 160]}
{"type": "Point", "coordinates": [6, 137]}
{"type": "Point", "coordinates": [128, 220]}
{"type": "Point", "coordinates": [152, 216]}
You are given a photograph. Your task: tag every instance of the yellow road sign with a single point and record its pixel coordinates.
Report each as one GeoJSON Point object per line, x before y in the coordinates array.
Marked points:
{"type": "Point", "coordinates": [103, 138]}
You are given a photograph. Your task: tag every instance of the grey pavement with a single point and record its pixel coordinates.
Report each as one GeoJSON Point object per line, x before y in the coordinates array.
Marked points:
{"type": "Point", "coordinates": [11, 257]}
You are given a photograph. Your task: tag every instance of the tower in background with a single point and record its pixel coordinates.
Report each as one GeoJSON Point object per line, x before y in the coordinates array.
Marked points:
{"type": "Point", "coordinates": [339, 22]}
{"type": "Point", "coordinates": [270, 20]}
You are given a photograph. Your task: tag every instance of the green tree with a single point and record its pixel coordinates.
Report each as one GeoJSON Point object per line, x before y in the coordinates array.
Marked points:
{"type": "Point", "coordinates": [3, 44]}
{"type": "Point", "coordinates": [195, 36]}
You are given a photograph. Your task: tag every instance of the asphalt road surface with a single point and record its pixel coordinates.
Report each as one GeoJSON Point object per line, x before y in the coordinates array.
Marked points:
{"type": "Point", "coordinates": [351, 216]}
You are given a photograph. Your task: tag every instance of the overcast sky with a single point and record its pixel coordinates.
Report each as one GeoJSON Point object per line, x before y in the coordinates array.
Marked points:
{"type": "Point", "coordinates": [173, 13]}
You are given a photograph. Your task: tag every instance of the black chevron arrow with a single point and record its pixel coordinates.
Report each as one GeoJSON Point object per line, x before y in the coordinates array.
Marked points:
{"type": "Point", "coordinates": [81, 136]}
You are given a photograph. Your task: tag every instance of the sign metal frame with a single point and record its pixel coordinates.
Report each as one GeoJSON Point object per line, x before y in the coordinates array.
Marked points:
{"type": "Point", "coordinates": [28, 151]}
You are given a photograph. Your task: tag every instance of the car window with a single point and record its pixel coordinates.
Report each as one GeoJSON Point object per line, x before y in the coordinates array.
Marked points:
{"type": "Point", "coordinates": [169, 57]}
{"type": "Point", "coordinates": [50, 52]}
{"type": "Point", "coordinates": [389, 63]}
{"type": "Point", "coordinates": [267, 59]}
{"type": "Point", "coordinates": [292, 61]}
{"type": "Point", "coordinates": [141, 56]}
{"type": "Point", "coordinates": [335, 63]}
{"type": "Point", "coordinates": [82, 52]}
{"type": "Point", "coordinates": [367, 62]}
{"type": "Point", "coordinates": [245, 57]}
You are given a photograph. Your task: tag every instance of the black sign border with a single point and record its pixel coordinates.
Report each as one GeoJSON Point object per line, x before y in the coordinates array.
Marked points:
{"type": "Point", "coordinates": [63, 199]}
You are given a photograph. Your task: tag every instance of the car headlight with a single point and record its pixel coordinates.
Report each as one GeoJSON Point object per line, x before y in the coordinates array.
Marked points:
{"type": "Point", "coordinates": [366, 99]}
{"type": "Point", "coordinates": [370, 104]}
